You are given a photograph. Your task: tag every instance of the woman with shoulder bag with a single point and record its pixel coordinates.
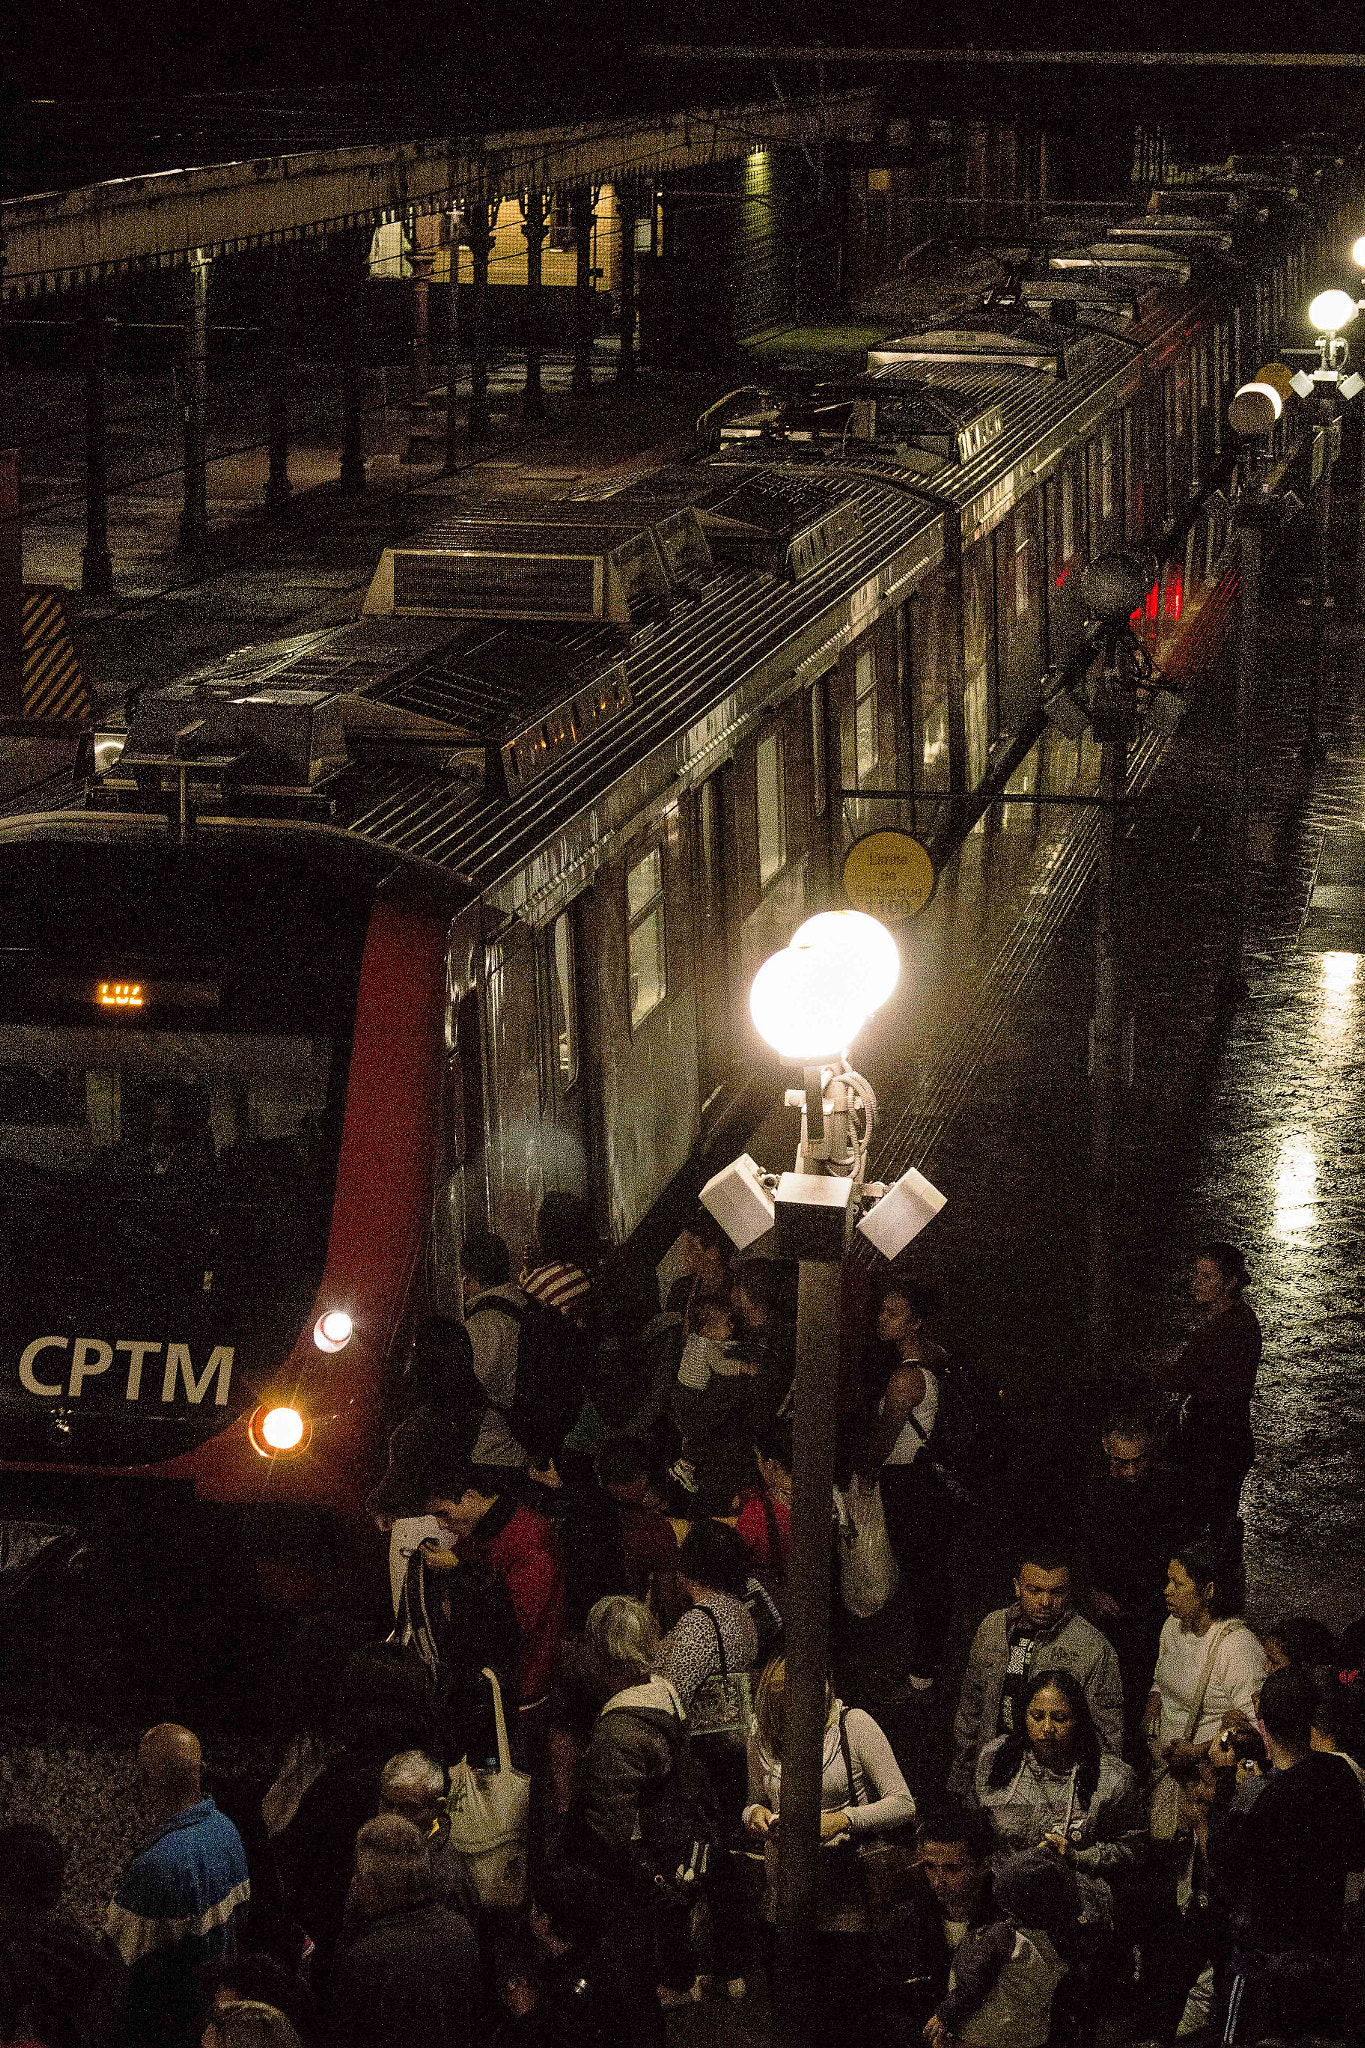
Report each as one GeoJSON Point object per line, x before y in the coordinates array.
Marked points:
{"type": "Point", "coordinates": [1209, 1668]}
{"type": "Point", "coordinates": [864, 1797]}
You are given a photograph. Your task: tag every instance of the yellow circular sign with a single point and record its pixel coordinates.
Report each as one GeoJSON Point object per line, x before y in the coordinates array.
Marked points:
{"type": "Point", "coordinates": [889, 875]}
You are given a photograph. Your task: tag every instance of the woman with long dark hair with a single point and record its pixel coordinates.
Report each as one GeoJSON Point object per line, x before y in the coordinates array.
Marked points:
{"type": "Point", "coordinates": [1050, 1785]}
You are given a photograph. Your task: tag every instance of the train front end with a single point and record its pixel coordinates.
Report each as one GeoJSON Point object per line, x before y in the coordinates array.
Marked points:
{"type": "Point", "coordinates": [219, 1065]}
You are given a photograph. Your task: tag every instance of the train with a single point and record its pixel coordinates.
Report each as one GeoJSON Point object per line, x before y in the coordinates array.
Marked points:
{"type": "Point", "coordinates": [354, 943]}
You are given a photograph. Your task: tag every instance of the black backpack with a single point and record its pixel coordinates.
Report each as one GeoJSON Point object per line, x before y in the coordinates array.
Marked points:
{"type": "Point", "coordinates": [554, 1361]}
{"type": "Point", "coordinates": [682, 1823]}
{"type": "Point", "coordinates": [971, 1438]}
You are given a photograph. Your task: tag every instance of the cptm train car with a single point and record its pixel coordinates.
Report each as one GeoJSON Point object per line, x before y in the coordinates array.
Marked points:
{"type": "Point", "coordinates": [360, 941]}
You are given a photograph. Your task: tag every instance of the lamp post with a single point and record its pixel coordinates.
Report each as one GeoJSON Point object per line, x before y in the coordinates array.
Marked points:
{"type": "Point", "coordinates": [809, 1002]}
{"type": "Point", "coordinates": [1254, 413]}
{"type": "Point", "coordinates": [1358, 258]}
{"type": "Point", "coordinates": [1329, 312]}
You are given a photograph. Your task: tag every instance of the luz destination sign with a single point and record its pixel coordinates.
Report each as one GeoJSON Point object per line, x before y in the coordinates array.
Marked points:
{"type": "Point", "coordinates": [888, 874]}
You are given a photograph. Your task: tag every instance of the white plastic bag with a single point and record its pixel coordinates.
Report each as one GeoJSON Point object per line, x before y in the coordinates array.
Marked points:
{"type": "Point", "coordinates": [488, 1816]}
{"type": "Point", "coordinates": [868, 1572]}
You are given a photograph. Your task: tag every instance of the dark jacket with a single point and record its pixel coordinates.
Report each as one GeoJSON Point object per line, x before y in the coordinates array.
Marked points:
{"type": "Point", "coordinates": [631, 1754]}
{"type": "Point", "coordinates": [1283, 1863]}
{"type": "Point", "coordinates": [911, 1957]}
{"type": "Point", "coordinates": [718, 1423]}
{"type": "Point", "coordinates": [55, 1984]}
{"type": "Point", "coordinates": [409, 1980]}
{"type": "Point", "coordinates": [1129, 1534]}
{"type": "Point", "coordinates": [584, 2001]}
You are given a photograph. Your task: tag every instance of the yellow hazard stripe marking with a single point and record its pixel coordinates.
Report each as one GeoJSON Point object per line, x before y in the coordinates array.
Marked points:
{"type": "Point", "coordinates": [52, 685]}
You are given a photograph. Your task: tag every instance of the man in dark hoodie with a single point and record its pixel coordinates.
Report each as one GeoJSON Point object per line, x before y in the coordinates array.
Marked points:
{"type": "Point", "coordinates": [56, 1986]}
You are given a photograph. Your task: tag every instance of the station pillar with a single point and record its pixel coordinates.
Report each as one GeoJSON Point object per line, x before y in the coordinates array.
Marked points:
{"type": "Point", "coordinates": [97, 571]}
{"type": "Point", "coordinates": [584, 209]}
{"type": "Point", "coordinates": [452, 455]}
{"type": "Point", "coordinates": [194, 515]}
{"type": "Point", "coordinates": [626, 201]}
{"type": "Point", "coordinates": [1106, 1050]}
{"type": "Point", "coordinates": [481, 244]}
{"type": "Point", "coordinates": [278, 489]}
{"type": "Point", "coordinates": [419, 417]}
{"type": "Point", "coordinates": [356, 261]}
{"type": "Point", "coordinates": [535, 207]}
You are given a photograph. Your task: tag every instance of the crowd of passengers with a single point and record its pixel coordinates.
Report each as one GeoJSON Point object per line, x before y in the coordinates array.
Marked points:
{"type": "Point", "coordinates": [544, 1811]}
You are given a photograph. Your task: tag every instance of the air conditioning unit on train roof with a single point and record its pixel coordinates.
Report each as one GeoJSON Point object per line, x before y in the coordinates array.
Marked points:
{"type": "Point", "coordinates": [941, 420]}
{"type": "Point", "coordinates": [1140, 273]}
{"type": "Point", "coordinates": [517, 701]}
{"type": "Point", "coordinates": [1180, 232]}
{"type": "Point", "coordinates": [778, 523]}
{"type": "Point", "coordinates": [563, 570]}
{"type": "Point", "coordinates": [1021, 342]}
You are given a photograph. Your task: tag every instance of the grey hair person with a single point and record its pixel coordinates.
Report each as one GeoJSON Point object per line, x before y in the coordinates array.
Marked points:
{"type": "Point", "coordinates": [391, 1860]}
{"type": "Point", "coordinates": [412, 1778]}
{"type": "Point", "coordinates": [247, 2023]}
{"type": "Point", "coordinates": [623, 1636]}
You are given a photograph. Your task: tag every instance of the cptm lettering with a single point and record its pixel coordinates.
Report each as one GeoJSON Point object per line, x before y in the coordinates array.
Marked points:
{"type": "Point", "coordinates": [55, 1366]}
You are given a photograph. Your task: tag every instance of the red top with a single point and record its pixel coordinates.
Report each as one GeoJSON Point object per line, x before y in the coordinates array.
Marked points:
{"type": "Point", "coordinates": [1220, 1360]}
{"type": "Point", "coordinates": [523, 1554]}
{"type": "Point", "coordinates": [752, 1530]}
{"type": "Point", "coordinates": [650, 1546]}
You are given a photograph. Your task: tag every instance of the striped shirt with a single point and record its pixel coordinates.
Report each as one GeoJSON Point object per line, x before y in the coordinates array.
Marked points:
{"type": "Point", "coordinates": [555, 1285]}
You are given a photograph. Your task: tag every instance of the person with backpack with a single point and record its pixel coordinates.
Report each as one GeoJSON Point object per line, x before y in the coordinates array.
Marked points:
{"type": "Point", "coordinates": [913, 1497]}
{"type": "Point", "coordinates": [493, 1312]}
{"type": "Point", "coordinates": [532, 1348]}
{"type": "Point", "coordinates": [643, 1817]}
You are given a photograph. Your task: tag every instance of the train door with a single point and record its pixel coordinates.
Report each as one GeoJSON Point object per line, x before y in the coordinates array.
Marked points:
{"type": "Point", "coordinates": [1019, 615]}
{"type": "Point", "coordinates": [824, 804]}
{"type": "Point", "coordinates": [515, 1082]}
{"type": "Point", "coordinates": [930, 671]}
{"type": "Point", "coordinates": [978, 656]}
{"type": "Point", "coordinates": [568, 1090]}
{"type": "Point", "coordinates": [713, 884]}
{"type": "Point", "coordinates": [1063, 525]}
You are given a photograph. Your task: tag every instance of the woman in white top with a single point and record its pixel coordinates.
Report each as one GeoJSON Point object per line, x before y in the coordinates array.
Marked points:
{"type": "Point", "coordinates": [861, 1795]}
{"type": "Point", "coordinates": [911, 1495]}
{"type": "Point", "coordinates": [1209, 1660]}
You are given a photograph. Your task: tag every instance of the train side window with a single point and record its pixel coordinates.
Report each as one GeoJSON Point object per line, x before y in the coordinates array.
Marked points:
{"type": "Point", "coordinates": [645, 935]}
{"type": "Point", "coordinates": [867, 738]}
{"type": "Point", "coordinates": [1106, 473]}
{"type": "Point", "coordinates": [772, 822]}
{"type": "Point", "coordinates": [820, 790]}
{"type": "Point", "coordinates": [565, 996]}
{"type": "Point", "coordinates": [1021, 577]}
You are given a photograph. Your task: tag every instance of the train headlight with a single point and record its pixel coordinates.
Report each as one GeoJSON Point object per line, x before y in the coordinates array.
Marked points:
{"type": "Point", "coordinates": [275, 1432]}
{"type": "Point", "coordinates": [332, 1331]}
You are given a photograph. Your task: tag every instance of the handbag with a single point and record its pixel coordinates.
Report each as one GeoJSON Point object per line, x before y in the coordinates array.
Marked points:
{"type": "Point", "coordinates": [1164, 1812]}
{"type": "Point", "coordinates": [886, 1863]}
{"type": "Point", "coordinates": [722, 1706]}
{"type": "Point", "coordinates": [868, 1572]}
{"type": "Point", "coordinates": [489, 1811]}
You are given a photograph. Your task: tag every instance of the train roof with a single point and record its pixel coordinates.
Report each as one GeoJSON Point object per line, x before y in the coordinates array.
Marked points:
{"type": "Point", "coordinates": [388, 727]}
